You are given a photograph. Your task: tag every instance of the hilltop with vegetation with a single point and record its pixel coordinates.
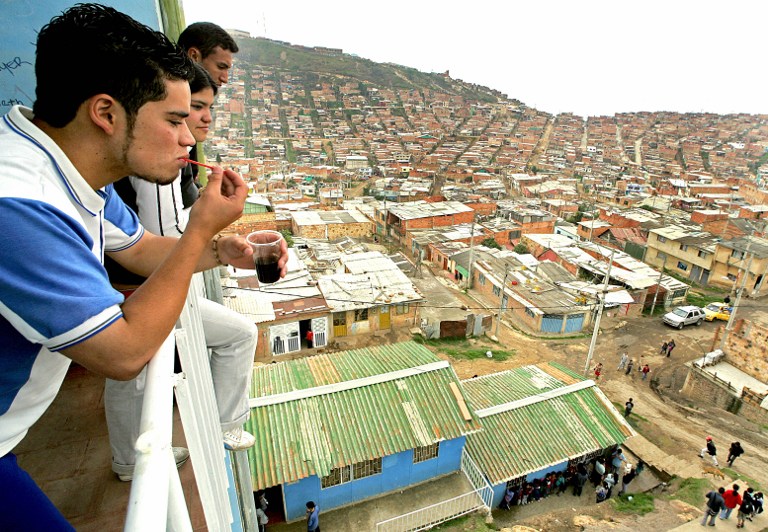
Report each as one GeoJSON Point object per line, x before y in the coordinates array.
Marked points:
{"type": "Point", "coordinates": [327, 61]}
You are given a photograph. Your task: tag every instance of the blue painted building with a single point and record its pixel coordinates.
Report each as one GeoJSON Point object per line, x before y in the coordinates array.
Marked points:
{"type": "Point", "coordinates": [340, 428]}
{"type": "Point", "coordinates": [536, 420]}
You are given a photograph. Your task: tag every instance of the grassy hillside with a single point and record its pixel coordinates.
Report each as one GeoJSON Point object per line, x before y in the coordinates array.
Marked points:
{"type": "Point", "coordinates": [268, 53]}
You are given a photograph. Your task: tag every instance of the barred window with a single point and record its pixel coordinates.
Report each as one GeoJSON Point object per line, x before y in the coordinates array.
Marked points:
{"type": "Point", "coordinates": [496, 291]}
{"type": "Point", "coordinates": [367, 468]}
{"type": "Point", "coordinates": [682, 266]}
{"type": "Point", "coordinates": [586, 457]}
{"type": "Point", "coordinates": [361, 314]}
{"type": "Point", "coordinates": [428, 452]}
{"type": "Point", "coordinates": [515, 482]}
{"type": "Point", "coordinates": [342, 475]}
{"type": "Point", "coordinates": [530, 312]}
{"type": "Point", "coordinates": [481, 278]}
{"type": "Point", "coordinates": [402, 308]}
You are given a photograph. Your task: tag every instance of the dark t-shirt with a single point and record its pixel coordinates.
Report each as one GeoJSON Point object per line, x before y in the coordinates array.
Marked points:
{"type": "Point", "coordinates": [715, 501]}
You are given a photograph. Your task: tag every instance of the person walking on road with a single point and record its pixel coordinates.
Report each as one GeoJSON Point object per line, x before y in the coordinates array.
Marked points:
{"type": "Point", "coordinates": [598, 370]}
{"type": "Point", "coordinates": [628, 406]}
{"type": "Point", "coordinates": [670, 347]}
{"type": "Point", "coordinates": [746, 508]}
{"type": "Point", "coordinates": [734, 452]}
{"type": "Point", "coordinates": [645, 371]}
{"type": "Point", "coordinates": [629, 367]}
{"type": "Point", "coordinates": [715, 503]}
{"type": "Point", "coordinates": [313, 517]}
{"type": "Point", "coordinates": [711, 450]}
{"type": "Point", "coordinates": [663, 350]}
{"type": "Point", "coordinates": [627, 478]}
{"type": "Point", "coordinates": [623, 361]}
{"type": "Point", "coordinates": [732, 499]}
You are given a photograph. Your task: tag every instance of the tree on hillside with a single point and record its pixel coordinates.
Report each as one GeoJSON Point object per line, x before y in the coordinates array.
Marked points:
{"type": "Point", "coordinates": [521, 249]}
{"type": "Point", "coordinates": [490, 243]}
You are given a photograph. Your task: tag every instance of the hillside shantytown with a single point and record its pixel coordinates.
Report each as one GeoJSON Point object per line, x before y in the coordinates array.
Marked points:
{"type": "Point", "coordinates": [460, 263]}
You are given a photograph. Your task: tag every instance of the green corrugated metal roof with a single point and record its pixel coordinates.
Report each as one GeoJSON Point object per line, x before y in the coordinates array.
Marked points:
{"type": "Point", "coordinates": [326, 421]}
{"type": "Point", "coordinates": [533, 436]}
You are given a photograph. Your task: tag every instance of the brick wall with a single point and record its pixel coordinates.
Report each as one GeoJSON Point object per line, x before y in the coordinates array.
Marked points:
{"type": "Point", "coordinates": [746, 348]}
{"type": "Point", "coordinates": [539, 228]}
{"type": "Point", "coordinates": [249, 223]}
{"type": "Point", "coordinates": [333, 231]}
{"type": "Point", "coordinates": [703, 388]}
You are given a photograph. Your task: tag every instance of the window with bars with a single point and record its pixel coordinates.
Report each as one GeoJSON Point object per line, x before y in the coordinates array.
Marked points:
{"type": "Point", "coordinates": [361, 314]}
{"type": "Point", "coordinates": [402, 308]}
{"type": "Point", "coordinates": [515, 482]}
{"type": "Point", "coordinates": [586, 457]}
{"type": "Point", "coordinates": [428, 452]}
{"type": "Point", "coordinates": [342, 475]}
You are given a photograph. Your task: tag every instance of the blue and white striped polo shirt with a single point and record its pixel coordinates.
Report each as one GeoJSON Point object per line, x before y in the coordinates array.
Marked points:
{"type": "Point", "coordinates": [54, 291]}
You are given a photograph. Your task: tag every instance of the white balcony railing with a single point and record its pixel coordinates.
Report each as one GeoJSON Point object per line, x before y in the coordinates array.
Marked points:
{"type": "Point", "coordinates": [157, 500]}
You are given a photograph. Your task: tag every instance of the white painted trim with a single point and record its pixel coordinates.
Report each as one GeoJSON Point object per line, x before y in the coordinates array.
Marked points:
{"type": "Point", "coordinates": [296, 395]}
{"type": "Point", "coordinates": [514, 405]}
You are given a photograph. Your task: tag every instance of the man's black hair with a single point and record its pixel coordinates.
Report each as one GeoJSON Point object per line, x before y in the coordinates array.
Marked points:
{"type": "Point", "coordinates": [122, 58]}
{"type": "Point", "coordinates": [310, 505]}
{"type": "Point", "coordinates": [206, 36]}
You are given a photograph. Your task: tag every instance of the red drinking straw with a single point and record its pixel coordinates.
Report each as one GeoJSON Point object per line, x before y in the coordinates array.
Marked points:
{"type": "Point", "coordinates": [197, 163]}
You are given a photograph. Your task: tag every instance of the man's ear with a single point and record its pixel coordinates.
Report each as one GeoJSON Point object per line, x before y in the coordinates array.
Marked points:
{"type": "Point", "coordinates": [103, 111]}
{"type": "Point", "coordinates": [195, 54]}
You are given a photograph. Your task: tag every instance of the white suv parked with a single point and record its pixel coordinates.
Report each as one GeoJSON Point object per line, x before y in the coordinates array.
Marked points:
{"type": "Point", "coordinates": [682, 316]}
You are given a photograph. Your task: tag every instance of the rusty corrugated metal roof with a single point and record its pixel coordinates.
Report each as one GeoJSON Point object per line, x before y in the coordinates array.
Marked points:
{"type": "Point", "coordinates": [314, 414]}
{"type": "Point", "coordinates": [537, 416]}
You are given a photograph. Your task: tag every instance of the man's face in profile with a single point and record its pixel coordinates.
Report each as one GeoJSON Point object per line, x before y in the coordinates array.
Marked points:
{"type": "Point", "coordinates": [153, 148]}
{"type": "Point", "coordinates": [218, 64]}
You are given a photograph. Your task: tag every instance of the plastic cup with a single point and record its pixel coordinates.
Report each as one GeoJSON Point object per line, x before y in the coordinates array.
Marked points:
{"type": "Point", "coordinates": [266, 252]}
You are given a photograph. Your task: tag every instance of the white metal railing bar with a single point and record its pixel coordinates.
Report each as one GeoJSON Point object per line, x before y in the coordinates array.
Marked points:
{"type": "Point", "coordinates": [156, 501]}
{"type": "Point", "coordinates": [241, 469]}
{"type": "Point", "coordinates": [199, 415]}
{"type": "Point", "coordinates": [157, 498]}
{"type": "Point", "coordinates": [476, 478]}
{"type": "Point", "coordinates": [432, 515]}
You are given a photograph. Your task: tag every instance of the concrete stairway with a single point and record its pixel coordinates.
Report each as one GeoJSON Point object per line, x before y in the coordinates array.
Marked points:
{"type": "Point", "coordinates": [665, 465]}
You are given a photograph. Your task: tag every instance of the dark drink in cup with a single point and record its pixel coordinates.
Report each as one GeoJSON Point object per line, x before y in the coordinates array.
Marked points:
{"type": "Point", "coordinates": [266, 247]}
{"type": "Point", "coordinates": [266, 269]}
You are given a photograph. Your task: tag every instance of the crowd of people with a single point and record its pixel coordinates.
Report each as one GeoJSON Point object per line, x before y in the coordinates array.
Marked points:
{"type": "Point", "coordinates": [722, 502]}
{"type": "Point", "coordinates": [604, 474]}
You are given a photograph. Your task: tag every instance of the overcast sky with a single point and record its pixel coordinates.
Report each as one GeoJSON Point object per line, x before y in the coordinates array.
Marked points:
{"type": "Point", "coordinates": [592, 57]}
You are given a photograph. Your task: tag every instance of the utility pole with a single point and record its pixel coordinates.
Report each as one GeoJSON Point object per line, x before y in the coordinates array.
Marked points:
{"type": "Point", "coordinates": [471, 250]}
{"type": "Point", "coordinates": [501, 300]}
{"type": "Point", "coordinates": [600, 306]}
{"type": "Point", "coordinates": [732, 317]}
{"type": "Point", "coordinates": [658, 285]}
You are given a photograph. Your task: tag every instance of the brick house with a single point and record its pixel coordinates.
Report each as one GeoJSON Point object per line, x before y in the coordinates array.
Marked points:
{"type": "Point", "coordinates": [396, 220]}
{"type": "Point", "coordinates": [330, 225]}
{"type": "Point", "coordinates": [737, 382]}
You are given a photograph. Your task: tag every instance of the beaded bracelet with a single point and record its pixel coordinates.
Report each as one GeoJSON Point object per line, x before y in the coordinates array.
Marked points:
{"type": "Point", "coordinates": [215, 247]}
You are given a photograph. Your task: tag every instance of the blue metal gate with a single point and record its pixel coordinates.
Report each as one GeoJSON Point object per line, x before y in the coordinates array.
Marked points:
{"type": "Point", "coordinates": [574, 323]}
{"type": "Point", "coordinates": [552, 323]}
